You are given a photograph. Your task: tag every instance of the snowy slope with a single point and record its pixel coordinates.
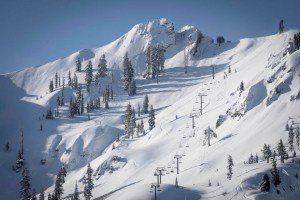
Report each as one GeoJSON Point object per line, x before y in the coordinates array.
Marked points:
{"type": "Point", "coordinates": [263, 64]}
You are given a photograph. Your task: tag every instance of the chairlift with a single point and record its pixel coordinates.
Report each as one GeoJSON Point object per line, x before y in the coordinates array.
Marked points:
{"type": "Point", "coordinates": [172, 171]}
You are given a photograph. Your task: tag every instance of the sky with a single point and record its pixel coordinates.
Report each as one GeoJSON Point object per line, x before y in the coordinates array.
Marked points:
{"type": "Point", "coordinates": [35, 32]}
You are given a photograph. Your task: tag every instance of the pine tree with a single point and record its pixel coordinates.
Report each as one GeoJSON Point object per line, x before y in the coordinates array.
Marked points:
{"type": "Point", "coordinates": [148, 62]}
{"type": "Point", "coordinates": [58, 189]}
{"type": "Point", "coordinates": [106, 105]}
{"type": "Point", "coordinates": [88, 183]}
{"type": "Point", "coordinates": [265, 183]}
{"type": "Point", "coordinates": [56, 80]}
{"type": "Point", "coordinates": [51, 87]}
{"type": "Point", "coordinates": [145, 104]}
{"type": "Point", "coordinates": [209, 183]}
{"type": "Point", "coordinates": [139, 110]}
{"type": "Point", "coordinates": [102, 67]}
{"type": "Point", "coordinates": [89, 75]}
{"type": "Point", "coordinates": [132, 88]}
{"type": "Point", "coordinates": [274, 171]}
{"type": "Point", "coordinates": [25, 185]}
{"type": "Point", "coordinates": [176, 183]}
{"type": "Point", "coordinates": [128, 114]}
{"type": "Point", "coordinates": [76, 193]}
{"type": "Point", "coordinates": [209, 134]}
{"type": "Point", "coordinates": [111, 93]}
{"type": "Point", "coordinates": [298, 136]}
{"type": "Point", "coordinates": [69, 79]}
{"type": "Point", "coordinates": [128, 72]}
{"type": "Point", "coordinates": [142, 127]}
{"type": "Point", "coordinates": [151, 118]}
{"type": "Point", "coordinates": [229, 69]}
{"type": "Point", "coordinates": [287, 127]}
{"type": "Point", "coordinates": [281, 151]}
{"type": "Point", "coordinates": [42, 195]}
{"type": "Point", "coordinates": [229, 167]}
{"type": "Point", "coordinates": [291, 140]}
{"type": "Point", "coordinates": [242, 87]}
{"type": "Point", "coordinates": [78, 64]}
{"type": "Point", "coordinates": [267, 152]}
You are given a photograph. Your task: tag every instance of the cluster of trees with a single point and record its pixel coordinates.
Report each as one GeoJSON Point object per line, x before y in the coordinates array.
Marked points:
{"type": "Point", "coordinates": [297, 41]}
{"type": "Point", "coordinates": [155, 60]}
{"type": "Point", "coordinates": [93, 104]}
{"type": "Point", "coordinates": [128, 76]}
{"type": "Point", "coordinates": [253, 159]}
{"type": "Point", "coordinates": [72, 82]}
{"type": "Point", "coordinates": [130, 119]}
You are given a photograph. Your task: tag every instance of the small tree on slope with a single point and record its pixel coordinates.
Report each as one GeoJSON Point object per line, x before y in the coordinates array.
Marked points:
{"type": "Point", "coordinates": [151, 118]}
{"type": "Point", "coordinates": [274, 171]}
{"type": "Point", "coordinates": [25, 185]}
{"type": "Point", "coordinates": [267, 152]}
{"type": "Point", "coordinates": [291, 140]}
{"type": "Point", "coordinates": [229, 167]}
{"type": "Point", "coordinates": [281, 151]}
{"type": "Point", "coordinates": [88, 183]}
{"type": "Point", "coordinates": [265, 183]}
{"type": "Point", "coordinates": [145, 104]}
{"type": "Point", "coordinates": [76, 193]}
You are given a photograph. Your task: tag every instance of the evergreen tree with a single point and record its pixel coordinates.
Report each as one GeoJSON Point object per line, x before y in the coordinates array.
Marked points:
{"type": "Point", "coordinates": [88, 183]}
{"type": "Point", "coordinates": [76, 193]}
{"type": "Point", "coordinates": [71, 108]}
{"type": "Point", "coordinates": [281, 151]}
{"type": "Point", "coordinates": [56, 80]}
{"type": "Point", "coordinates": [59, 80]}
{"type": "Point", "coordinates": [281, 27]}
{"type": "Point", "coordinates": [229, 167]}
{"type": "Point", "coordinates": [102, 67]}
{"type": "Point", "coordinates": [69, 79]}
{"type": "Point", "coordinates": [265, 183]}
{"type": "Point", "coordinates": [148, 62]}
{"type": "Point", "coordinates": [291, 140]}
{"type": "Point", "coordinates": [51, 87]}
{"type": "Point", "coordinates": [298, 136]}
{"type": "Point", "coordinates": [89, 75]}
{"type": "Point", "coordinates": [128, 72]}
{"type": "Point", "coordinates": [267, 152]}
{"type": "Point", "coordinates": [209, 183]}
{"type": "Point", "coordinates": [142, 127]}
{"type": "Point", "coordinates": [49, 197]}
{"type": "Point", "coordinates": [106, 105]}
{"type": "Point", "coordinates": [25, 185]}
{"type": "Point", "coordinates": [209, 133]}
{"type": "Point", "coordinates": [176, 182]}
{"type": "Point", "coordinates": [58, 189]}
{"type": "Point", "coordinates": [128, 114]}
{"type": "Point", "coordinates": [287, 127]}
{"type": "Point", "coordinates": [111, 93]}
{"type": "Point", "coordinates": [78, 64]}
{"type": "Point", "coordinates": [274, 171]}
{"type": "Point", "coordinates": [229, 69]}
{"type": "Point", "coordinates": [82, 105]}
{"type": "Point", "coordinates": [242, 87]}
{"type": "Point", "coordinates": [132, 88]}
{"type": "Point", "coordinates": [151, 118]}
{"type": "Point", "coordinates": [145, 104]}
{"type": "Point", "coordinates": [42, 195]}
{"type": "Point", "coordinates": [139, 110]}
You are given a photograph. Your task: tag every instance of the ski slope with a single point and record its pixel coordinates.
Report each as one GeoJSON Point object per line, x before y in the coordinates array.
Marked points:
{"type": "Point", "coordinates": [263, 64]}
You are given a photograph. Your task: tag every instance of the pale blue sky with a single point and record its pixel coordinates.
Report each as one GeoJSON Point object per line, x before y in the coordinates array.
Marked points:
{"type": "Point", "coordinates": [34, 32]}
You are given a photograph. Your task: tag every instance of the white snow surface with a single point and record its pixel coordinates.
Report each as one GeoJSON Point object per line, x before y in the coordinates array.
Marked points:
{"type": "Point", "coordinates": [263, 64]}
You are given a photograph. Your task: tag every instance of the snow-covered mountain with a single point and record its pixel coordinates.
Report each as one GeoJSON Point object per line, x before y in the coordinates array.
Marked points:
{"type": "Point", "coordinates": [268, 67]}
